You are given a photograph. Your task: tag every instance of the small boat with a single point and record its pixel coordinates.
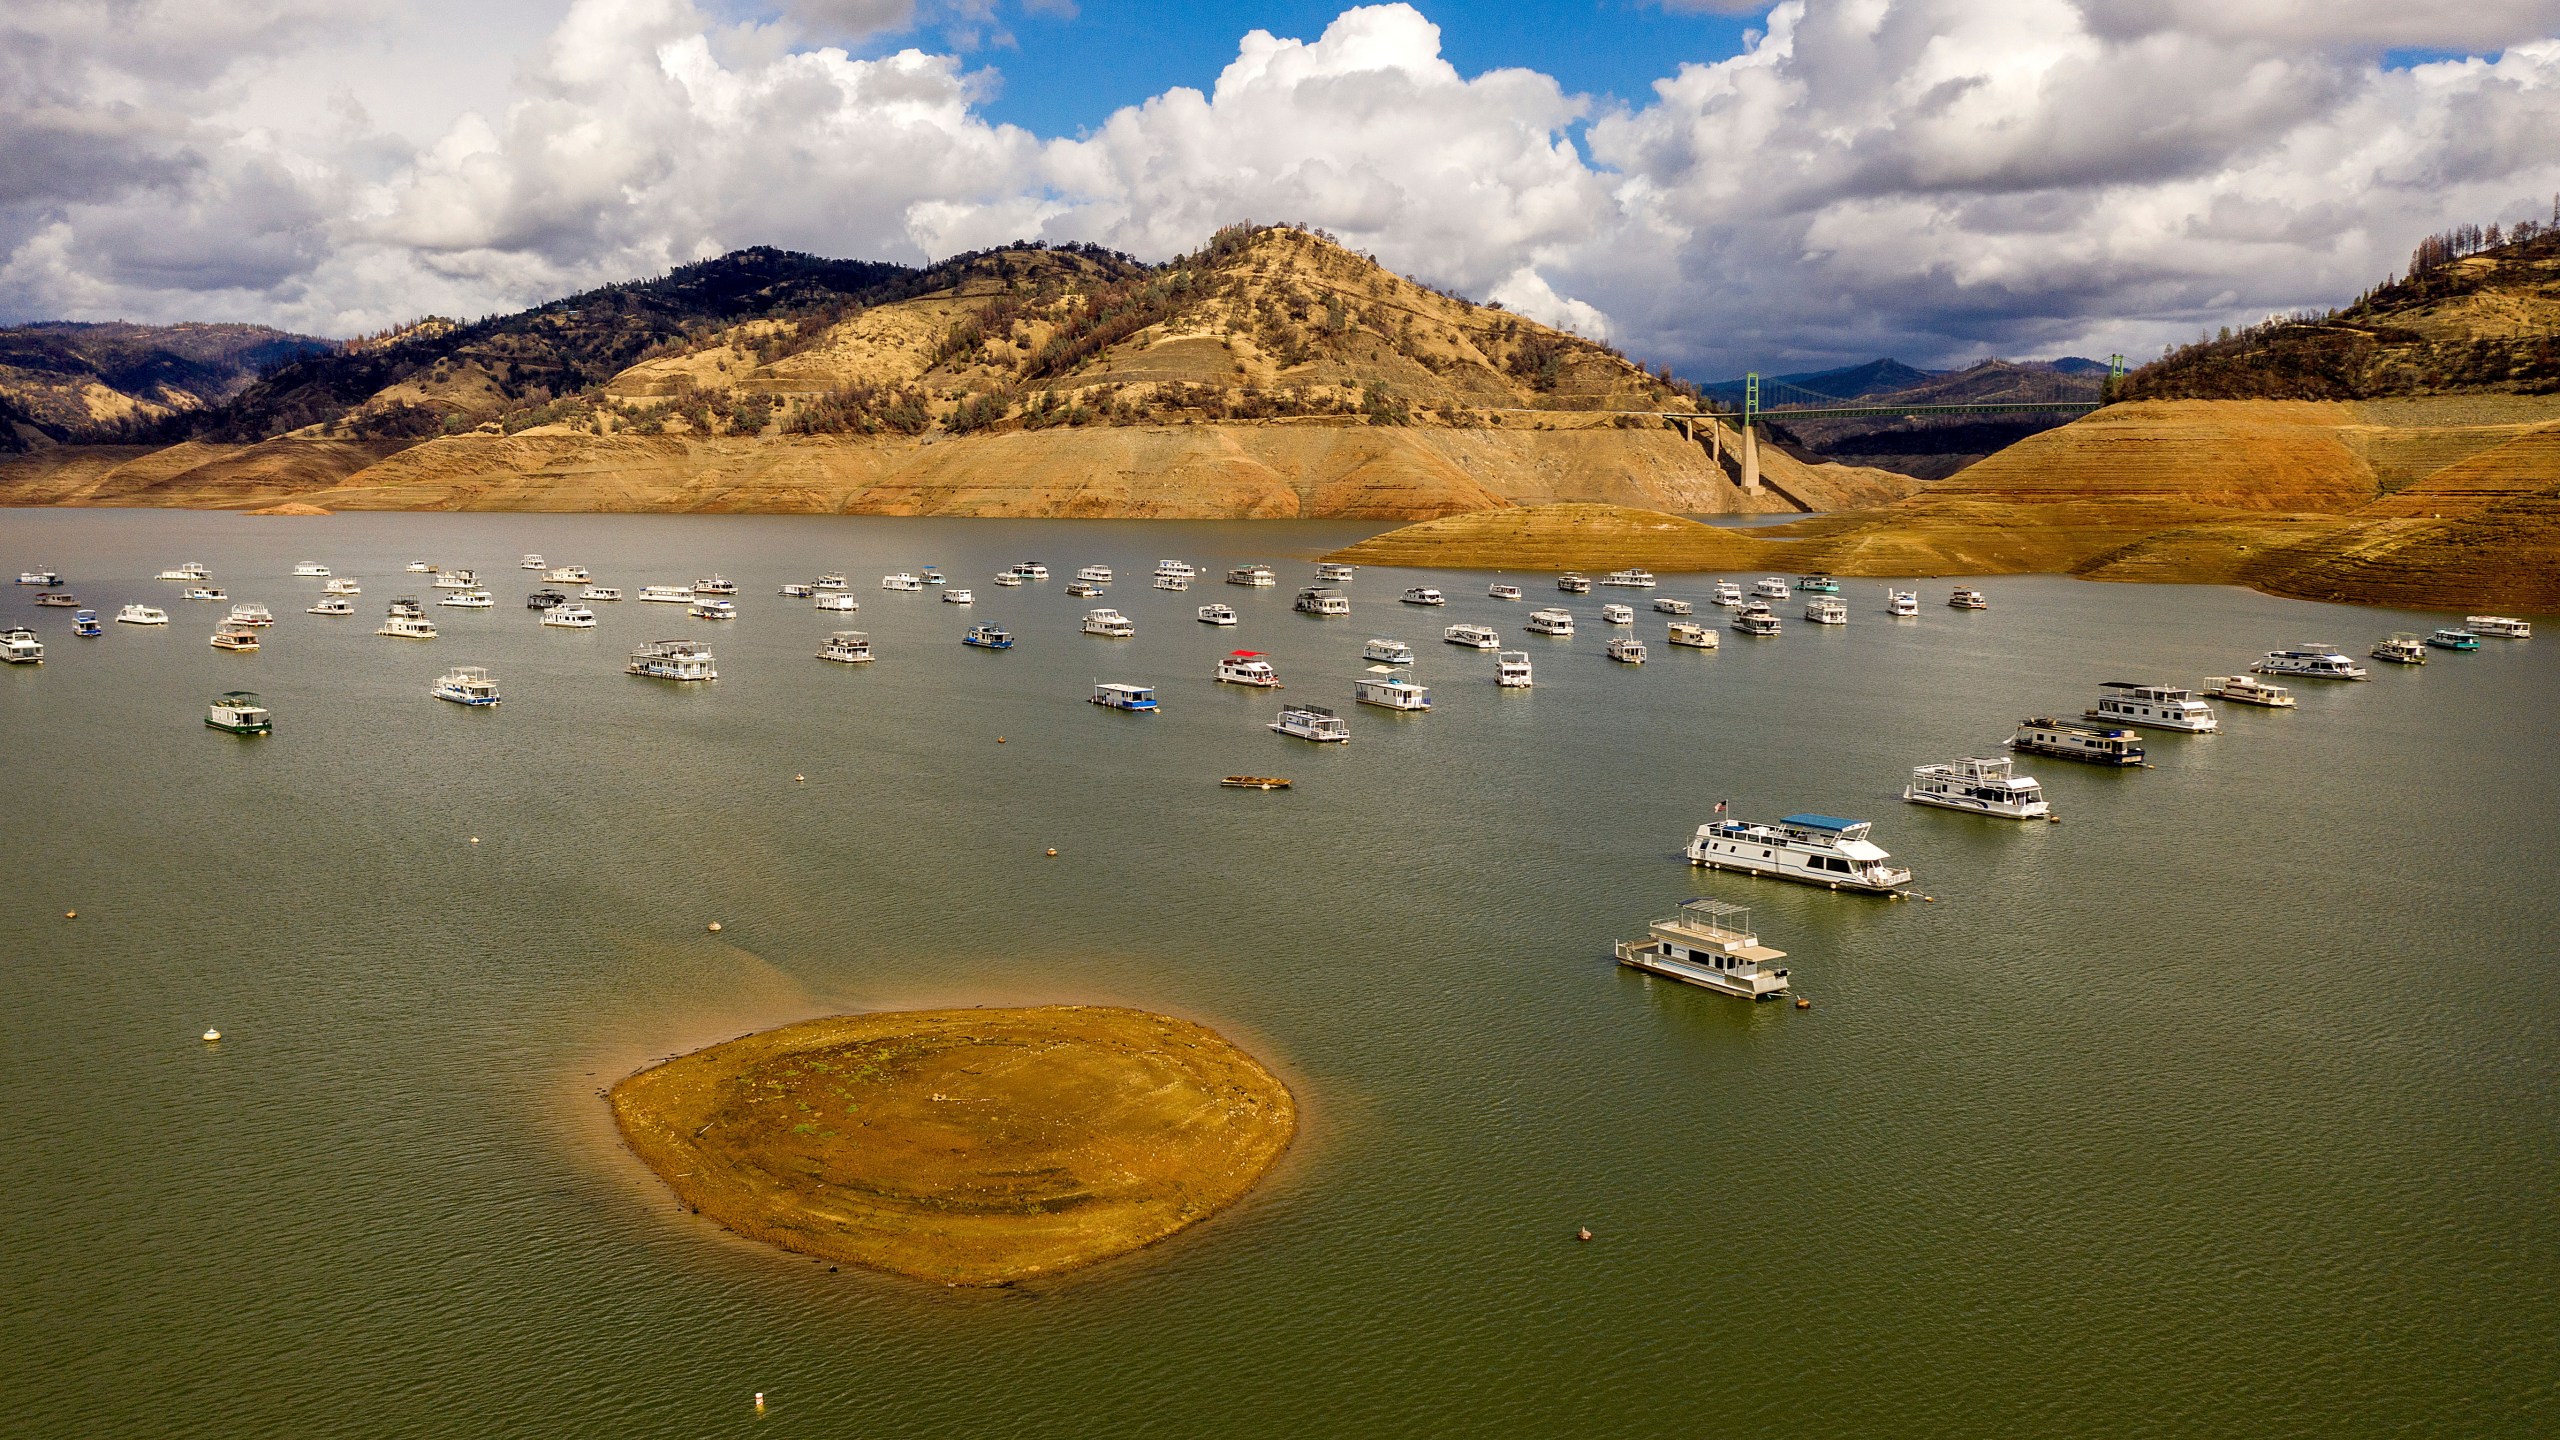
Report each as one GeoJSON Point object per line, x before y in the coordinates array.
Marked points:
{"type": "Point", "coordinates": [570, 617]}
{"type": "Point", "coordinates": [1108, 622]}
{"type": "Point", "coordinates": [1965, 597]}
{"type": "Point", "coordinates": [1314, 601]}
{"type": "Point", "coordinates": [1757, 619]}
{"type": "Point", "coordinates": [530, 562]}
{"type": "Point", "coordinates": [466, 685]}
{"type": "Point", "coordinates": [1083, 589]}
{"type": "Point", "coordinates": [1184, 570]}
{"type": "Point", "coordinates": [1693, 636]}
{"type": "Point", "coordinates": [832, 582]}
{"type": "Point", "coordinates": [2156, 707]}
{"type": "Point", "coordinates": [850, 647]}
{"type": "Point", "coordinates": [1423, 595]}
{"type": "Point", "coordinates": [958, 597]}
{"type": "Point", "coordinates": [407, 627]}
{"type": "Point", "coordinates": [1823, 610]}
{"type": "Point", "coordinates": [454, 580]}
{"type": "Point", "coordinates": [204, 592]}
{"type": "Point", "coordinates": [2248, 690]}
{"type": "Point", "coordinates": [1141, 698]}
{"type": "Point", "coordinates": [2499, 627]}
{"type": "Point", "coordinates": [933, 575]}
{"type": "Point", "coordinates": [1007, 578]}
{"type": "Point", "coordinates": [2403, 648]}
{"type": "Point", "coordinates": [798, 590]}
{"type": "Point", "coordinates": [545, 599]}
{"type": "Point", "coordinates": [1709, 944]}
{"type": "Point", "coordinates": [987, 637]}
{"type": "Point", "coordinates": [1511, 669]}
{"type": "Point", "coordinates": [710, 609]}
{"type": "Point", "coordinates": [333, 605]}
{"type": "Point", "coordinates": [1980, 787]}
{"type": "Point", "coordinates": [666, 594]}
{"type": "Point", "coordinates": [902, 581]}
{"type": "Point", "coordinates": [1334, 574]}
{"type": "Point", "coordinates": [191, 570]}
{"type": "Point", "coordinates": [672, 660]}
{"type": "Point", "coordinates": [1503, 592]}
{"type": "Point", "coordinates": [1247, 667]}
{"type": "Point", "coordinates": [1817, 584]}
{"type": "Point", "coordinates": [468, 600]}
{"type": "Point", "coordinates": [2312, 662]}
{"type": "Point", "coordinates": [2452, 639]}
{"type": "Point", "coordinates": [142, 615]}
{"type": "Point", "coordinates": [568, 575]}
{"type": "Point", "coordinates": [1032, 570]}
{"type": "Point", "coordinates": [1772, 588]}
{"type": "Point", "coordinates": [1257, 576]}
{"type": "Point", "coordinates": [1814, 849]}
{"type": "Point", "coordinates": [2043, 736]}
{"type": "Point", "coordinates": [1631, 579]}
{"type": "Point", "coordinates": [252, 614]}
{"type": "Point", "coordinates": [422, 567]}
{"type": "Point", "coordinates": [715, 585]}
{"type": "Point", "coordinates": [1901, 602]}
{"type": "Point", "coordinates": [1474, 637]}
{"type": "Point", "coordinates": [235, 637]}
{"type": "Point", "coordinates": [43, 577]}
{"type": "Point", "coordinates": [600, 592]}
{"type": "Point", "coordinates": [1550, 622]}
{"type": "Point", "coordinates": [1387, 652]}
{"type": "Point", "coordinates": [58, 600]}
{"type": "Point", "coordinates": [311, 569]}
{"type": "Point", "coordinates": [1389, 691]}
{"type": "Point", "coordinates": [1726, 593]}
{"type": "Point", "coordinates": [1173, 582]}
{"type": "Point", "coordinates": [19, 646]}
{"type": "Point", "coordinates": [1668, 606]}
{"type": "Point", "coordinates": [837, 600]}
{"type": "Point", "coordinates": [1626, 649]}
{"type": "Point", "coordinates": [342, 586]}
{"type": "Point", "coordinates": [1095, 574]}
{"type": "Point", "coordinates": [239, 712]}
{"type": "Point", "coordinates": [1312, 722]}
{"type": "Point", "coordinates": [1254, 782]}
{"type": "Point", "coordinates": [85, 623]}
{"type": "Point", "coordinates": [1617, 614]}
{"type": "Point", "coordinates": [1217, 615]}
{"type": "Point", "coordinates": [1573, 583]}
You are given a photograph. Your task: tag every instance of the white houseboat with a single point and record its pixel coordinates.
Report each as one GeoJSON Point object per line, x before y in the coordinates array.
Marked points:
{"type": "Point", "coordinates": [455, 580]}
{"type": "Point", "coordinates": [2311, 662]}
{"type": "Point", "coordinates": [252, 613]}
{"type": "Point", "coordinates": [1574, 583]}
{"type": "Point", "coordinates": [333, 605]}
{"type": "Point", "coordinates": [1626, 649]}
{"type": "Point", "coordinates": [1500, 591]}
{"type": "Point", "coordinates": [1391, 692]}
{"type": "Point", "coordinates": [904, 582]}
{"type": "Point", "coordinates": [1141, 698]}
{"type": "Point", "coordinates": [1757, 618]}
{"type": "Point", "coordinates": [1095, 574]}
{"type": "Point", "coordinates": [1312, 722]}
{"type": "Point", "coordinates": [835, 600]}
{"type": "Point", "coordinates": [1965, 597]}
{"type": "Point", "coordinates": [1332, 573]}
{"type": "Point", "coordinates": [1474, 637]}
{"type": "Point", "coordinates": [1173, 582]}
{"type": "Point", "coordinates": [142, 615]}
{"type": "Point", "coordinates": [1247, 667]}
{"type": "Point", "coordinates": [1814, 849]}
{"type": "Point", "coordinates": [1109, 623]}
{"type": "Point", "coordinates": [607, 593]}
{"type": "Point", "coordinates": [1387, 652]}
{"type": "Point", "coordinates": [798, 590]}
{"type": "Point", "coordinates": [672, 660]}
{"type": "Point", "coordinates": [407, 627]}
{"type": "Point", "coordinates": [1550, 622]}
{"type": "Point", "coordinates": [1511, 670]}
{"type": "Point", "coordinates": [342, 585]}
{"type": "Point", "coordinates": [228, 636]}
{"type": "Point", "coordinates": [850, 647]}
{"type": "Point", "coordinates": [311, 570]}
{"type": "Point", "coordinates": [2403, 648]}
{"type": "Point", "coordinates": [2155, 707]}
{"type": "Point", "coordinates": [958, 597]}
{"type": "Point", "coordinates": [1981, 787]}
{"type": "Point", "coordinates": [1692, 635]}
{"type": "Point", "coordinates": [1825, 610]}
{"type": "Point", "coordinates": [1668, 606]}
{"type": "Point", "coordinates": [240, 712]}
{"type": "Point", "coordinates": [1709, 944]}
{"type": "Point", "coordinates": [1726, 593]}
{"type": "Point", "coordinates": [1631, 579]}
{"type": "Point", "coordinates": [831, 582]}
{"type": "Point", "coordinates": [1901, 602]}
{"type": "Point", "coordinates": [191, 570]}
{"type": "Point", "coordinates": [1217, 615]}
{"type": "Point", "coordinates": [466, 685]}
{"type": "Point", "coordinates": [1617, 614]}
{"type": "Point", "coordinates": [666, 594]}
{"type": "Point", "coordinates": [2248, 690]}
{"type": "Point", "coordinates": [2502, 627]}
{"type": "Point", "coordinates": [1083, 589]}
{"type": "Point", "coordinates": [1314, 601]}
{"type": "Point", "coordinates": [1257, 576]}
{"type": "Point", "coordinates": [569, 617]}
{"type": "Point", "coordinates": [711, 609]}
{"type": "Point", "coordinates": [1032, 570]}
{"type": "Point", "coordinates": [469, 600]}
{"type": "Point", "coordinates": [530, 562]}
{"type": "Point", "coordinates": [1185, 570]}
{"type": "Point", "coordinates": [568, 575]}
{"type": "Point", "coordinates": [19, 646]}
{"type": "Point", "coordinates": [1772, 588]}
{"type": "Point", "coordinates": [2070, 740]}
{"type": "Point", "coordinates": [1423, 595]}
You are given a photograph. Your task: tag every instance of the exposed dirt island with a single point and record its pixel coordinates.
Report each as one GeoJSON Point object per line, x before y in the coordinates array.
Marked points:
{"type": "Point", "coordinates": [965, 1147]}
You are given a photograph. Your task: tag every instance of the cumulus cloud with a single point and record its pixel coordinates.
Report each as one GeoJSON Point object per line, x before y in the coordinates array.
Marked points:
{"type": "Point", "coordinates": [1932, 178]}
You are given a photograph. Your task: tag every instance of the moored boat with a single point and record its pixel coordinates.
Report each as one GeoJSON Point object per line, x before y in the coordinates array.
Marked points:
{"type": "Point", "coordinates": [1474, 637]}
{"type": "Point", "coordinates": [58, 600]}
{"type": "Point", "coordinates": [454, 580]}
{"type": "Point", "coordinates": [2402, 648]}
{"type": "Point", "coordinates": [708, 608]}
{"type": "Point", "coordinates": [715, 585]}
{"type": "Point", "coordinates": [1333, 573]}
{"type": "Point", "coordinates": [252, 614]}
{"type": "Point", "coordinates": [903, 582]}
{"type": "Point", "coordinates": [2154, 707]}
{"type": "Point", "coordinates": [1387, 652]}
{"type": "Point", "coordinates": [672, 660]}
{"type": "Point", "coordinates": [1511, 670]}
{"type": "Point", "coordinates": [234, 637]}
{"type": "Point", "coordinates": [2501, 627]}
{"type": "Point", "coordinates": [342, 585]}
{"type": "Point", "coordinates": [1498, 591]}
{"type": "Point", "coordinates": [958, 597]}
{"type": "Point", "coordinates": [1631, 578]}
{"type": "Point", "coordinates": [1321, 602]}
{"type": "Point", "coordinates": [1965, 597]}
{"type": "Point", "coordinates": [239, 712]}
{"type": "Point", "coordinates": [21, 646]}
{"type": "Point", "coordinates": [1423, 595]}
{"type": "Point", "coordinates": [1901, 602]}
{"type": "Point", "coordinates": [1256, 576]}
{"type": "Point", "coordinates": [1626, 649]}
{"type": "Point", "coordinates": [407, 627]}
{"type": "Point", "coordinates": [1312, 722]}
{"type": "Point", "coordinates": [1813, 849]}
{"type": "Point", "coordinates": [333, 605]}
{"type": "Point", "coordinates": [569, 617]}
{"type": "Point", "coordinates": [311, 570]}
{"type": "Point", "coordinates": [1771, 588]}
{"type": "Point", "coordinates": [1108, 623]}
{"type": "Point", "coordinates": [1217, 615]}
{"type": "Point", "coordinates": [1173, 582]}
{"type": "Point", "coordinates": [848, 647]}
{"type": "Point", "coordinates": [1248, 667]}
{"type": "Point", "coordinates": [987, 637]}
{"type": "Point", "coordinates": [1709, 944]}
{"type": "Point", "coordinates": [142, 615]}
{"type": "Point", "coordinates": [1693, 635]}
{"type": "Point", "coordinates": [1095, 574]}
{"type": "Point", "coordinates": [466, 685]}
{"type": "Point", "coordinates": [1726, 593]}
{"type": "Point", "coordinates": [1824, 610]}
{"type": "Point", "coordinates": [1668, 606]}
{"type": "Point", "coordinates": [468, 600]}
{"type": "Point", "coordinates": [190, 570]}
{"type": "Point", "coordinates": [1550, 622]}
{"type": "Point", "coordinates": [568, 575]}
{"type": "Point", "coordinates": [2069, 740]}
{"type": "Point", "coordinates": [666, 594]}
{"type": "Point", "coordinates": [2453, 639]}
{"type": "Point", "coordinates": [2311, 662]}
{"type": "Point", "coordinates": [1757, 618]}
{"type": "Point", "coordinates": [1141, 698]}
{"type": "Point", "coordinates": [1979, 787]}
{"type": "Point", "coordinates": [46, 577]}
{"type": "Point", "coordinates": [2248, 690]}
{"type": "Point", "coordinates": [1817, 583]}
{"type": "Point", "coordinates": [1390, 691]}
{"type": "Point", "coordinates": [835, 600]}
{"type": "Point", "coordinates": [1574, 583]}
{"type": "Point", "coordinates": [1083, 589]}
{"type": "Point", "coordinates": [606, 593]}
{"type": "Point", "coordinates": [1617, 614]}
{"type": "Point", "coordinates": [85, 623]}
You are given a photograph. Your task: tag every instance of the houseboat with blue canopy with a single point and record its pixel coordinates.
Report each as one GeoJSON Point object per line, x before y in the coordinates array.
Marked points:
{"type": "Point", "coordinates": [1813, 849]}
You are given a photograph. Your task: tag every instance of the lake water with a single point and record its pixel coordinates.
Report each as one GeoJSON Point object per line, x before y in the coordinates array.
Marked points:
{"type": "Point", "coordinates": [2227, 1106]}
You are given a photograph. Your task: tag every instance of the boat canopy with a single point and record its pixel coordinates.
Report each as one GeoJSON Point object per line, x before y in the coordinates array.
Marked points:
{"type": "Point", "coordinates": [1832, 823]}
{"type": "Point", "coordinates": [1244, 655]}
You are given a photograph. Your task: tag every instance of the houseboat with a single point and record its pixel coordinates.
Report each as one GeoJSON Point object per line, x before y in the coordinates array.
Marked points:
{"type": "Point", "coordinates": [1247, 667]}
{"type": "Point", "coordinates": [1709, 944]}
{"type": "Point", "coordinates": [1511, 670]}
{"type": "Point", "coordinates": [1008, 579]}
{"type": "Point", "coordinates": [46, 578]}
{"type": "Point", "coordinates": [2248, 690]}
{"type": "Point", "coordinates": [2452, 639]}
{"type": "Point", "coordinates": [57, 600]}
{"type": "Point", "coordinates": [715, 585]}
{"type": "Point", "coordinates": [239, 712]}
{"type": "Point", "coordinates": [1550, 622]}
{"type": "Point", "coordinates": [468, 600]}
{"type": "Point", "coordinates": [85, 623]}
{"type": "Point", "coordinates": [333, 605]}
{"type": "Point", "coordinates": [422, 567]}
{"type": "Point", "coordinates": [1313, 601]}
{"type": "Point", "coordinates": [1032, 570]}
{"type": "Point", "coordinates": [1631, 579]}
{"type": "Point", "coordinates": [1757, 619]}
{"type": "Point", "coordinates": [568, 575]}
{"type": "Point", "coordinates": [848, 647]}
{"type": "Point", "coordinates": [466, 685]}
{"type": "Point", "coordinates": [204, 592]}
{"type": "Point", "coordinates": [1257, 576]}
{"type": "Point", "coordinates": [2155, 707]}
{"type": "Point", "coordinates": [1083, 589]}
{"type": "Point", "coordinates": [1423, 595]}
{"type": "Point", "coordinates": [1824, 610]}
{"type": "Point", "coordinates": [1668, 606]}
{"type": "Point", "coordinates": [569, 617]}
{"type": "Point", "coordinates": [987, 637]}
{"type": "Point", "coordinates": [1109, 623]}
{"type": "Point", "coordinates": [2403, 648]}
{"type": "Point", "coordinates": [407, 627]}
{"type": "Point", "coordinates": [1217, 615]}
{"type": "Point", "coordinates": [1095, 574]}
{"type": "Point", "coordinates": [1391, 692]}
{"type": "Point", "coordinates": [191, 570]}
{"type": "Point", "coordinates": [1334, 574]}
{"type": "Point", "coordinates": [1901, 602]}
{"type": "Point", "coordinates": [20, 646]}
{"type": "Point", "coordinates": [1693, 635]}
{"type": "Point", "coordinates": [1573, 583]}
{"type": "Point", "coordinates": [546, 599]}
{"type": "Point", "coordinates": [831, 582]}
{"type": "Point", "coordinates": [1772, 588]}
{"type": "Point", "coordinates": [672, 660]}
{"type": "Point", "coordinates": [342, 585]}
{"type": "Point", "coordinates": [311, 570]}
{"type": "Point", "coordinates": [530, 562]}
{"type": "Point", "coordinates": [1474, 637]}
{"type": "Point", "coordinates": [1814, 849]}
{"type": "Point", "coordinates": [1185, 570]}
{"type": "Point", "coordinates": [1965, 597]}
{"type": "Point", "coordinates": [835, 600]}
{"type": "Point", "coordinates": [2070, 740]}
{"type": "Point", "coordinates": [2312, 662]}
{"type": "Point", "coordinates": [407, 605]}
{"type": "Point", "coordinates": [1726, 593]}
{"type": "Point", "coordinates": [605, 593]}
{"type": "Point", "coordinates": [1141, 698]}
{"type": "Point", "coordinates": [1626, 649]}
{"type": "Point", "coordinates": [933, 575]}
{"type": "Point", "coordinates": [798, 590]}
{"type": "Point", "coordinates": [1980, 787]}
{"type": "Point", "coordinates": [1817, 584]}
{"type": "Point", "coordinates": [2500, 627]}
{"type": "Point", "coordinates": [903, 582]}
{"type": "Point", "coordinates": [1617, 614]}
{"type": "Point", "coordinates": [1387, 652]}
{"type": "Point", "coordinates": [958, 597]}
{"type": "Point", "coordinates": [1312, 722]}
{"type": "Point", "coordinates": [1499, 591]}
{"type": "Point", "coordinates": [228, 636]}
{"type": "Point", "coordinates": [142, 615]}
{"type": "Point", "coordinates": [666, 595]}
{"type": "Point", "coordinates": [454, 580]}
{"type": "Point", "coordinates": [1173, 582]}
{"type": "Point", "coordinates": [252, 613]}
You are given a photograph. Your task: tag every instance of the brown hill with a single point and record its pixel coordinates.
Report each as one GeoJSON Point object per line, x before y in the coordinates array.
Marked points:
{"type": "Point", "coordinates": [70, 381]}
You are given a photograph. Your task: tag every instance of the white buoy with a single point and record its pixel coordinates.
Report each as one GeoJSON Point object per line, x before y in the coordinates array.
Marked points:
{"type": "Point", "coordinates": [759, 1399]}
{"type": "Point", "coordinates": [715, 927]}
{"type": "Point", "coordinates": [211, 1036]}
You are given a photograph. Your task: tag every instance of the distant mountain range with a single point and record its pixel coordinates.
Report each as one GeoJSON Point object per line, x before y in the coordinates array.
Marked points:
{"type": "Point", "coordinates": [62, 379]}
{"type": "Point", "coordinates": [1877, 379]}
{"type": "Point", "coordinates": [1929, 446]}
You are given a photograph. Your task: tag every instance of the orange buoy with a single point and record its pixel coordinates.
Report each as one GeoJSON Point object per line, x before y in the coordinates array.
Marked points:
{"type": "Point", "coordinates": [1053, 852]}
{"type": "Point", "coordinates": [70, 914]}
{"type": "Point", "coordinates": [799, 779]}
{"type": "Point", "coordinates": [999, 739]}
{"type": "Point", "coordinates": [1586, 1232]}
{"type": "Point", "coordinates": [715, 927]}
{"type": "Point", "coordinates": [1803, 1004]}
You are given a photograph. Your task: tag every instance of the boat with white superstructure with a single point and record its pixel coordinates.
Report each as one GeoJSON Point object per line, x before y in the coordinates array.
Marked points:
{"type": "Point", "coordinates": [1390, 691]}
{"type": "Point", "coordinates": [1574, 582]}
{"type": "Point", "coordinates": [2070, 740]}
{"type": "Point", "coordinates": [1032, 570]}
{"type": "Point", "coordinates": [1814, 849]}
{"type": "Point", "coordinates": [1694, 636]}
{"type": "Point", "coordinates": [1109, 623]}
{"type": "Point", "coordinates": [58, 600]}
{"type": "Point", "coordinates": [1511, 670]}
{"type": "Point", "coordinates": [204, 592]}
{"type": "Point", "coordinates": [847, 647]}
{"type": "Point", "coordinates": [2402, 648]}
{"type": "Point", "coordinates": [2248, 690]}
{"type": "Point", "coordinates": [422, 567]}
{"type": "Point", "coordinates": [1816, 583]}
{"type": "Point", "coordinates": [709, 608]}
{"type": "Point", "coordinates": [333, 605]}
{"type": "Point", "coordinates": [798, 590]}
{"type": "Point", "coordinates": [1980, 787]}
{"type": "Point", "coordinates": [1333, 573]}
{"type": "Point", "coordinates": [229, 636]}
{"type": "Point", "coordinates": [1550, 622]}
{"type": "Point", "coordinates": [2155, 707]}
{"type": "Point", "coordinates": [1772, 588]}
{"type": "Point", "coordinates": [1083, 589]}
{"type": "Point", "coordinates": [1257, 576]}
{"type": "Point", "coordinates": [1474, 637]}
{"type": "Point", "coordinates": [933, 575]}
{"type": "Point", "coordinates": [2498, 627]}
{"type": "Point", "coordinates": [568, 575]}
{"type": "Point", "coordinates": [1217, 615]}
{"type": "Point", "coordinates": [1668, 606]}
{"type": "Point", "coordinates": [310, 570]}
{"type": "Point", "coordinates": [1140, 698]}
{"type": "Point", "coordinates": [142, 615]}
{"type": "Point", "coordinates": [1824, 610]}
{"type": "Point", "coordinates": [40, 576]}
{"type": "Point", "coordinates": [1185, 570]}
{"type": "Point", "coordinates": [1500, 591]}
{"type": "Point", "coordinates": [407, 627]}
{"type": "Point", "coordinates": [342, 585]}
{"type": "Point", "coordinates": [190, 570]}
{"type": "Point", "coordinates": [1321, 602]}
{"type": "Point", "coordinates": [468, 600]}
{"type": "Point", "coordinates": [987, 637]}
{"type": "Point", "coordinates": [240, 712]}
{"type": "Point", "coordinates": [21, 646]}
{"type": "Point", "coordinates": [1901, 602]}
{"type": "Point", "coordinates": [2449, 638]}
{"type": "Point", "coordinates": [1617, 614]}
{"type": "Point", "coordinates": [569, 617]}
{"type": "Point", "coordinates": [1726, 593]}
{"type": "Point", "coordinates": [958, 597]}
{"type": "Point", "coordinates": [1095, 574]}
{"type": "Point", "coordinates": [1631, 579]}
{"type": "Point", "coordinates": [1387, 652]}
{"type": "Point", "coordinates": [1709, 944]}
{"type": "Point", "coordinates": [1626, 649]}
{"type": "Point", "coordinates": [672, 660]}
{"type": "Point", "coordinates": [831, 582]}
{"type": "Point", "coordinates": [530, 562]}
{"type": "Point", "coordinates": [85, 623]}
{"type": "Point", "coordinates": [666, 594]}
{"type": "Point", "coordinates": [835, 600]}
{"type": "Point", "coordinates": [1248, 667]}
{"type": "Point", "coordinates": [1173, 582]}
{"type": "Point", "coordinates": [1757, 619]}
{"type": "Point", "coordinates": [1965, 597]}
{"type": "Point", "coordinates": [467, 684]}
{"type": "Point", "coordinates": [1312, 722]}
{"type": "Point", "coordinates": [252, 614]}
{"type": "Point", "coordinates": [2311, 662]}
{"type": "Point", "coordinates": [455, 580]}
{"type": "Point", "coordinates": [1423, 595]}
{"type": "Point", "coordinates": [903, 582]}
{"type": "Point", "coordinates": [1008, 579]}
{"type": "Point", "coordinates": [545, 599]}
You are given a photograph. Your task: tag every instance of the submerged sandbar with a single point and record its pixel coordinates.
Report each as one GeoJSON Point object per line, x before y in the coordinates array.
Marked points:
{"type": "Point", "coordinates": [968, 1147]}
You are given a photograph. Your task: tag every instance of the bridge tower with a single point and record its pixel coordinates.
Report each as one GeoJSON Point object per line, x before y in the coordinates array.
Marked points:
{"type": "Point", "coordinates": [1750, 442]}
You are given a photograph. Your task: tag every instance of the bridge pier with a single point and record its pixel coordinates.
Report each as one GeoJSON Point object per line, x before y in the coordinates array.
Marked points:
{"type": "Point", "coordinates": [1750, 461]}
